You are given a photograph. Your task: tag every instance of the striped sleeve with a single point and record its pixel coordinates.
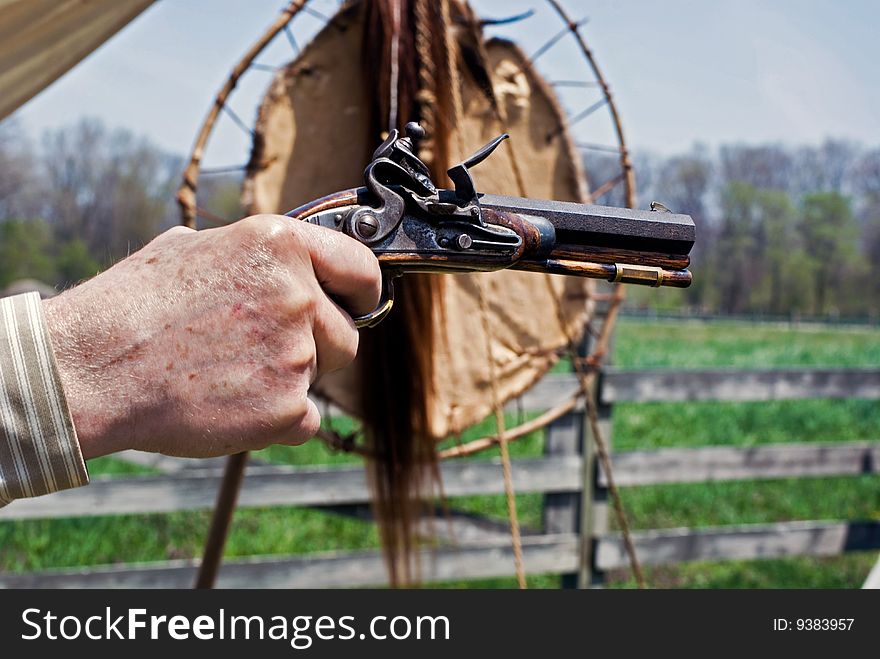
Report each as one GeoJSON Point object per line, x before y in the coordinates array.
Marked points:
{"type": "Point", "coordinates": [39, 451]}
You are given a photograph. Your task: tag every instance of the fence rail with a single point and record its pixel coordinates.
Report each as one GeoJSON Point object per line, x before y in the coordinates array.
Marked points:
{"type": "Point", "coordinates": [575, 538]}
{"type": "Point", "coordinates": [541, 554]}
{"type": "Point", "coordinates": [739, 385]}
{"type": "Point", "coordinates": [334, 486]}
{"type": "Point", "coordinates": [323, 570]}
{"type": "Point", "coordinates": [283, 486]}
{"type": "Point", "coordinates": [730, 385]}
{"type": "Point", "coordinates": [790, 320]}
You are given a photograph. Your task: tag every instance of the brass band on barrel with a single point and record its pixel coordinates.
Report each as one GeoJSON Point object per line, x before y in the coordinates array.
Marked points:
{"type": "Point", "coordinates": [647, 275]}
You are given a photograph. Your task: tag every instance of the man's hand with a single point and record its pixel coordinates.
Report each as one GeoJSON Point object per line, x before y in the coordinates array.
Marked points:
{"type": "Point", "coordinates": [205, 343]}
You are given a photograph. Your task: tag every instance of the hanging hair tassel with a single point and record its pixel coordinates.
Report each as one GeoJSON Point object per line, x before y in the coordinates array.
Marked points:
{"type": "Point", "coordinates": [396, 358]}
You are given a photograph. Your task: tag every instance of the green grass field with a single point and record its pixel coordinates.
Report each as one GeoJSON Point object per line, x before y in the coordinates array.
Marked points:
{"type": "Point", "coordinates": [41, 544]}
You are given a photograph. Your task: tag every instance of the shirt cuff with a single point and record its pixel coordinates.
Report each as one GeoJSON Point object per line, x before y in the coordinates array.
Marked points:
{"type": "Point", "coordinates": [39, 450]}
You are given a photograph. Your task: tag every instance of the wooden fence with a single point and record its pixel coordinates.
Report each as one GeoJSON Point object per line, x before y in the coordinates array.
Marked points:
{"type": "Point", "coordinates": [574, 540]}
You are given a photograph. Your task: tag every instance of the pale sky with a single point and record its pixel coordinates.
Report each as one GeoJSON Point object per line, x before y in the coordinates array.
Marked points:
{"type": "Point", "coordinates": [682, 71]}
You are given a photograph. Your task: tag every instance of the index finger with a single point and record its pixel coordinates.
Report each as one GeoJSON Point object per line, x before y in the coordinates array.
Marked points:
{"type": "Point", "coordinates": [346, 269]}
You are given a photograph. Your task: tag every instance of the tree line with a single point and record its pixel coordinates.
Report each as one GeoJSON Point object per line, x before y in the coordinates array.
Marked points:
{"type": "Point", "coordinates": [780, 229]}
{"type": "Point", "coordinates": [85, 196]}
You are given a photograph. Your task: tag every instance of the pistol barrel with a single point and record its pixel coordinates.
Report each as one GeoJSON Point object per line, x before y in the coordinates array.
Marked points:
{"type": "Point", "coordinates": [605, 226]}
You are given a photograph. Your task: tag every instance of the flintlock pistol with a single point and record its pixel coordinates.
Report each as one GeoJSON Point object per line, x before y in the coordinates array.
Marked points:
{"type": "Point", "coordinates": [411, 225]}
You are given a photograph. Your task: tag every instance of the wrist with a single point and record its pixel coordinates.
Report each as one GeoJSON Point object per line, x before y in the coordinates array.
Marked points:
{"type": "Point", "coordinates": [90, 405]}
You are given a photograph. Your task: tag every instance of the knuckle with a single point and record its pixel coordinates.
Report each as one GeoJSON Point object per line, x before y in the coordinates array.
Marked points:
{"type": "Point", "coordinates": [178, 230]}
{"type": "Point", "coordinates": [339, 352]}
{"type": "Point", "coordinates": [366, 274]}
{"type": "Point", "coordinates": [302, 364]}
{"type": "Point", "coordinates": [372, 273]}
{"type": "Point", "coordinates": [265, 240]}
{"type": "Point", "coordinates": [263, 226]}
{"type": "Point", "coordinates": [174, 233]}
{"type": "Point", "coordinates": [347, 349]}
{"type": "Point", "coordinates": [302, 420]}
{"type": "Point", "coordinates": [303, 299]}
{"type": "Point", "coordinates": [310, 425]}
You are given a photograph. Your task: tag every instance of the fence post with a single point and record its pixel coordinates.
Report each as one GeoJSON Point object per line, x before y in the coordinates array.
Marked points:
{"type": "Point", "coordinates": [594, 499]}
{"type": "Point", "coordinates": [584, 512]}
{"type": "Point", "coordinates": [562, 509]}
{"type": "Point", "coordinates": [593, 521]}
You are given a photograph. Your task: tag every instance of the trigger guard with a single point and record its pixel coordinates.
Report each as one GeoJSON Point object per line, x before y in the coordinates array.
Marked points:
{"type": "Point", "coordinates": [386, 302]}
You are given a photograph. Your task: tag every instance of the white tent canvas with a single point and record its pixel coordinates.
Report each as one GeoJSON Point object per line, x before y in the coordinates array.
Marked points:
{"type": "Point", "coordinates": [40, 40]}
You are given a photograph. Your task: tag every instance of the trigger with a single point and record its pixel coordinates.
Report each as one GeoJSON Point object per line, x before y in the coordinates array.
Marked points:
{"type": "Point", "coordinates": [386, 301]}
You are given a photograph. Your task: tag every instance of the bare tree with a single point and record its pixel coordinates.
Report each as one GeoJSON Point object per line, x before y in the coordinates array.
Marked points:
{"type": "Point", "coordinates": [111, 190]}
{"type": "Point", "coordinates": [18, 183]}
{"type": "Point", "coordinates": [824, 168]}
{"type": "Point", "coordinates": [765, 167]}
